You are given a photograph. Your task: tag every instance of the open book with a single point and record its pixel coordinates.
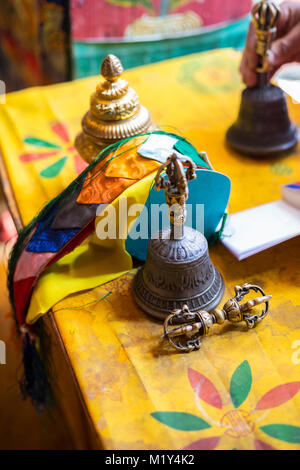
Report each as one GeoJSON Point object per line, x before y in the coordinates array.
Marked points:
{"type": "Point", "coordinates": [256, 229]}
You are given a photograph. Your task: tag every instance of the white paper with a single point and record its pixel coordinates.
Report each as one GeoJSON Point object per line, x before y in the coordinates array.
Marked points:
{"type": "Point", "coordinates": [159, 147]}
{"type": "Point", "coordinates": [288, 79]}
{"type": "Point", "coordinates": [256, 229]}
{"type": "Point", "coordinates": [291, 87]}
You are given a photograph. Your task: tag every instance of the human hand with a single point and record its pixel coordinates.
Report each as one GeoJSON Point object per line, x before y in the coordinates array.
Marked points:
{"type": "Point", "coordinates": [285, 48]}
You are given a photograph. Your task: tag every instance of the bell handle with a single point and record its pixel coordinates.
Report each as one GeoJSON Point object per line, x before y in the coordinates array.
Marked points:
{"type": "Point", "coordinates": [265, 15]}
{"type": "Point", "coordinates": [177, 177]}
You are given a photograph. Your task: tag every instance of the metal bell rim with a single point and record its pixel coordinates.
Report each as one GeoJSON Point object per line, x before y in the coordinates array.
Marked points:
{"type": "Point", "coordinates": [236, 140]}
{"type": "Point", "coordinates": [161, 314]}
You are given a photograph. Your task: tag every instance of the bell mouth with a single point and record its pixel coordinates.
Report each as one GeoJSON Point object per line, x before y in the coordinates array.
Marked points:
{"type": "Point", "coordinates": [160, 308]}
{"type": "Point", "coordinates": [258, 146]}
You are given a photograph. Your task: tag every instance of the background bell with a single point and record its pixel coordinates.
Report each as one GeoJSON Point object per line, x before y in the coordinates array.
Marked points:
{"type": "Point", "coordinates": [263, 127]}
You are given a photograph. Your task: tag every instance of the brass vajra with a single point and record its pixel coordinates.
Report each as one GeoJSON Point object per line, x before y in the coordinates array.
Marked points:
{"type": "Point", "coordinates": [176, 186]}
{"type": "Point", "coordinates": [265, 16]}
{"type": "Point", "coordinates": [184, 328]}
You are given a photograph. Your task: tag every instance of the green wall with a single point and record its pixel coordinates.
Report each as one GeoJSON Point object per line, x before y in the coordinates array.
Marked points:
{"type": "Point", "coordinates": [87, 57]}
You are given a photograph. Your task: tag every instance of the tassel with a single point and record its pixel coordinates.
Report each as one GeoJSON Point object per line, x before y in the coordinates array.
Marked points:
{"type": "Point", "coordinates": [34, 383]}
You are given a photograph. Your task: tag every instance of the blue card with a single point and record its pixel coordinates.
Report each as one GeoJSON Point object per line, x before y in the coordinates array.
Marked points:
{"type": "Point", "coordinates": [207, 202]}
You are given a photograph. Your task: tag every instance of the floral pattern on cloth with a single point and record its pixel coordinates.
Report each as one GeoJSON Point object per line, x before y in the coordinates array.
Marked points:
{"type": "Point", "coordinates": [236, 422]}
{"type": "Point", "coordinates": [214, 398]}
{"type": "Point", "coordinates": [51, 149]}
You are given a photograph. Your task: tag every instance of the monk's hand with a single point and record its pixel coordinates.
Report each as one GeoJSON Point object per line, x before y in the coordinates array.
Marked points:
{"type": "Point", "coordinates": [285, 48]}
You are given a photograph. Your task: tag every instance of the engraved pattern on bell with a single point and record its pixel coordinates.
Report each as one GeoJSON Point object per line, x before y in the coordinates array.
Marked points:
{"type": "Point", "coordinates": [178, 272]}
{"type": "Point", "coordinates": [192, 247]}
{"type": "Point", "coordinates": [161, 308]}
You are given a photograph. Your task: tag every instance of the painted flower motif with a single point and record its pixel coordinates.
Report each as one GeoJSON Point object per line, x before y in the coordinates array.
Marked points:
{"type": "Point", "coordinates": [63, 151]}
{"type": "Point", "coordinates": [235, 422]}
{"type": "Point", "coordinates": [281, 169]}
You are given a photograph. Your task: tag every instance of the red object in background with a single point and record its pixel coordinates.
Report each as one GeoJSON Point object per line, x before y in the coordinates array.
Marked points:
{"type": "Point", "coordinates": [7, 227]}
{"type": "Point", "coordinates": [103, 19]}
{"type": "Point", "coordinates": [34, 42]}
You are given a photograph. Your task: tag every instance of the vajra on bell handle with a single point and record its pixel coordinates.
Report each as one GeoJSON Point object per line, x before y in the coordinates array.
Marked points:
{"type": "Point", "coordinates": [265, 17]}
{"type": "Point", "coordinates": [176, 189]}
{"type": "Point", "coordinates": [184, 328]}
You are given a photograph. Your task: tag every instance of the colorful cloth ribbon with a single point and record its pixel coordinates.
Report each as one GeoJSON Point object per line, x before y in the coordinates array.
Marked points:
{"type": "Point", "coordinates": [60, 260]}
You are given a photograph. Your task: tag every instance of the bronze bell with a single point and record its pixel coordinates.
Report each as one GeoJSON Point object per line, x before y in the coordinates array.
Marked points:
{"type": "Point", "coordinates": [263, 127]}
{"type": "Point", "coordinates": [178, 270]}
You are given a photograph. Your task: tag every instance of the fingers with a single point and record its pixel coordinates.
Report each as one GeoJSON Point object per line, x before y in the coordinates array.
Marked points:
{"type": "Point", "coordinates": [288, 18]}
{"type": "Point", "coordinates": [285, 49]}
{"type": "Point", "coordinates": [249, 59]}
{"type": "Point", "coordinates": [249, 75]}
{"type": "Point", "coordinates": [251, 48]}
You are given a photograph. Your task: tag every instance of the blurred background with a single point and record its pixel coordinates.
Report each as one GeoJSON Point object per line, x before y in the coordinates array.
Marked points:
{"type": "Point", "coordinates": [49, 41]}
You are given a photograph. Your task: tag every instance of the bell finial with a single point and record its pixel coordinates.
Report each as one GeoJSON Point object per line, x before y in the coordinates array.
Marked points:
{"type": "Point", "coordinates": [176, 189]}
{"type": "Point", "coordinates": [115, 112]}
{"type": "Point", "coordinates": [265, 16]}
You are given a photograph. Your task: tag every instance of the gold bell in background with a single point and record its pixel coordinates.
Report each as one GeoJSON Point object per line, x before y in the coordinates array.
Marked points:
{"type": "Point", "coordinates": [115, 113]}
{"type": "Point", "coordinates": [263, 127]}
{"type": "Point", "coordinates": [178, 270]}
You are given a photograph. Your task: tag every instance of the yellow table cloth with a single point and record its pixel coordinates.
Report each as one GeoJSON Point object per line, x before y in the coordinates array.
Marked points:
{"type": "Point", "coordinates": [240, 391]}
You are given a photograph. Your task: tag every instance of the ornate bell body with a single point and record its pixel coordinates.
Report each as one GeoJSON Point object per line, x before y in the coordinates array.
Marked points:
{"type": "Point", "coordinates": [263, 127]}
{"type": "Point", "coordinates": [115, 113]}
{"type": "Point", "coordinates": [178, 270]}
